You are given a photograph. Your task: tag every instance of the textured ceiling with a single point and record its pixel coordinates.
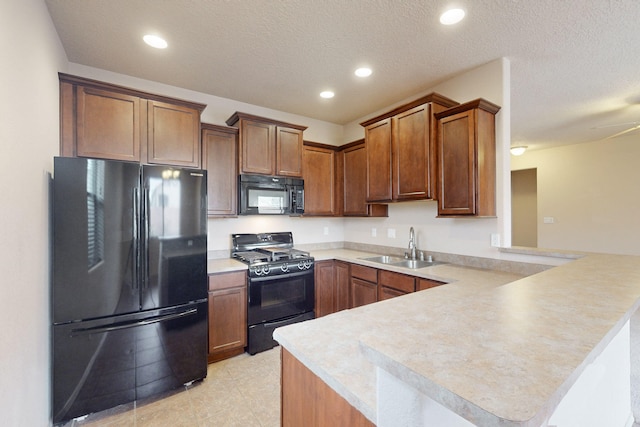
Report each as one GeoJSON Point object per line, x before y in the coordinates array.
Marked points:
{"type": "Point", "coordinates": [575, 64]}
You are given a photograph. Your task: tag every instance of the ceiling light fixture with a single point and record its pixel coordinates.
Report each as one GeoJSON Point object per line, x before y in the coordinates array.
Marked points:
{"type": "Point", "coordinates": [363, 72]}
{"type": "Point", "coordinates": [452, 16]}
{"type": "Point", "coordinates": [327, 94]}
{"type": "Point", "coordinates": [155, 41]}
{"type": "Point", "coordinates": [518, 150]}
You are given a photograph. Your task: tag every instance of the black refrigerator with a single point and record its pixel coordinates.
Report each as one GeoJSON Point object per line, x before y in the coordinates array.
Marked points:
{"type": "Point", "coordinates": [129, 282]}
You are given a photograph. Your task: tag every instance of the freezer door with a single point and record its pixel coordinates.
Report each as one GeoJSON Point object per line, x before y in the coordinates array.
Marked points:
{"type": "Point", "coordinates": [94, 244]}
{"type": "Point", "coordinates": [175, 235]}
{"type": "Point", "coordinates": [104, 363]}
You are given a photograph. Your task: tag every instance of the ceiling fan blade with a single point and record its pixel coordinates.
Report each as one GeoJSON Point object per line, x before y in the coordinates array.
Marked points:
{"type": "Point", "coordinates": [631, 129]}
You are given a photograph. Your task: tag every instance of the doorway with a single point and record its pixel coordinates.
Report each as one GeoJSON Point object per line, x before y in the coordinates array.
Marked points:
{"type": "Point", "coordinates": [524, 208]}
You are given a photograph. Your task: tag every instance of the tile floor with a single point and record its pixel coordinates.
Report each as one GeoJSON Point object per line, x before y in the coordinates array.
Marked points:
{"type": "Point", "coordinates": [243, 391]}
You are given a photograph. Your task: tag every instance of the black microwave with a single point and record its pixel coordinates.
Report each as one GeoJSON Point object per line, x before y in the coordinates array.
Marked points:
{"type": "Point", "coordinates": [270, 195]}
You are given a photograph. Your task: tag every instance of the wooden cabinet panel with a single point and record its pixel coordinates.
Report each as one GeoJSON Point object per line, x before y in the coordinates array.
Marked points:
{"type": "Point", "coordinates": [227, 315]}
{"type": "Point", "coordinates": [108, 125]}
{"type": "Point", "coordinates": [220, 160]}
{"type": "Point", "coordinates": [288, 152]}
{"type": "Point", "coordinates": [423, 284]}
{"type": "Point", "coordinates": [354, 183]}
{"type": "Point", "coordinates": [362, 292]}
{"type": "Point", "coordinates": [342, 276]}
{"type": "Point", "coordinates": [257, 148]}
{"type": "Point", "coordinates": [319, 176]}
{"type": "Point", "coordinates": [401, 150]}
{"type": "Point", "coordinates": [467, 160]}
{"type": "Point", "coordinates": [325, 288]}
{"type": "Point", "coordinates": [400, 282]}
{"type": "Point", "coordinates": [365, 273]}
{"type": "Point", "coordinates": [107, 121]}
{"type": "Point", "coordinates": [173, 135]}
{"type": "Point", "coordinates": [268, 147]}
{"type": "Point", "coordinates": [385, 292]}
{"type": "Point", "coordinates": [378, 151]}
{"type": "Point", "coordinates": [309, 401]}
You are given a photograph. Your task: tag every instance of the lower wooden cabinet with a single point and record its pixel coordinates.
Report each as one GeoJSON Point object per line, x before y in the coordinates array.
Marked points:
{"type": "Point", "coordinates": [364, 285]}
{"type": "Point", "coordinates": [227, 315]}
{"type": "Point", "coordinates": [423, 284]}
{"type": "Point", "coordinates": [331, 287]}
{"type": "Point", "coordinates": [392, 284]}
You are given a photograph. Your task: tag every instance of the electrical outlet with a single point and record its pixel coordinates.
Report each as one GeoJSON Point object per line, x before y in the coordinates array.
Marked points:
{"type": "Point", "coordinates": [548, 220]}
{"type": "Point", "coordinates": [391, 233]}
{"type": "Point", "coordinates": [495, 240]}
{"type": "Point", "coordinates": [374, 232]}
{"type": "Point", "coordinates": [326, 231]}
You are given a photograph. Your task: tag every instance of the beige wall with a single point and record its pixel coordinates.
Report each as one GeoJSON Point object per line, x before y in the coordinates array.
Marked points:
{"type": "Point", "coordinates": [31, 57]}
{"type": "Point", "coordinates": [592, 193]}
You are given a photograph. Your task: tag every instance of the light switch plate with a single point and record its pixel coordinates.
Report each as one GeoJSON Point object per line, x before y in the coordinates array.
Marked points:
{"type": "Point", "coordinates": [391, 233]}
{"type": "Point", "coordinates": [326, 231]}
{"type": "Point", "coordinates": [495, 240]}
{"type": "Point", "coordinates": [374, 232]}
{"type": "Point", "coordinates": [548, 220]}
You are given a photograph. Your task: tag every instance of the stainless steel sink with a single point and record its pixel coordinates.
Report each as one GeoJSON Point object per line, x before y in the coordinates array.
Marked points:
{"type": "Point", "coordinates": [416, 263]}
{"type": "Point", "coordinates": [384, 259]}
{"type": "Point", "coordinates": [402, 262]}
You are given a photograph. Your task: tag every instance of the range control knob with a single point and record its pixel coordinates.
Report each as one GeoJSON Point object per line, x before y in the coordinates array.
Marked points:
{"type": "Point", "coordinates": [284, 268]}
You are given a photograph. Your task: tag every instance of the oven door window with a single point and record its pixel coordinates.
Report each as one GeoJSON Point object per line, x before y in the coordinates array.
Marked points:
{"type": "Point", "coordinates": [278, 297]}
{"type": "Point", "coordinates": [267, 201]}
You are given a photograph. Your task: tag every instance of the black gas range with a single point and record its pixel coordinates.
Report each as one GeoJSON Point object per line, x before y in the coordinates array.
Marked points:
{"type": "Point", "coordinates": [280, 284]}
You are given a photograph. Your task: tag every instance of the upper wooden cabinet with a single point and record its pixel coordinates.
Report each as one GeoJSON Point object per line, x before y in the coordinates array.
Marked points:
{"type": "Point", "coordinates": [113, 122]}
{"type": "Point", "coordinates": [220, 159]}
{"type": "Point", "coordinates": [467, 160]}
{"type": "Point", "coordinates": [400, 151]}
{"type": "Point", "coordinates": [319, 174]}
{"type": "Point", "coordinates": [352, 170]}
{"type": "Point", "coordinates": [268, 147]}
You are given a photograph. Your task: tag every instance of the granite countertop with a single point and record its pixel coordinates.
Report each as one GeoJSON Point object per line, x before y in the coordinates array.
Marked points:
{"type": "Point", "coordinates": [497, 347]}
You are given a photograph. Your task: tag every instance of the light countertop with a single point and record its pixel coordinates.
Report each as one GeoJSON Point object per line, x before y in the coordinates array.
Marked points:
{"type": "Point", "coordinates": [495, 347]}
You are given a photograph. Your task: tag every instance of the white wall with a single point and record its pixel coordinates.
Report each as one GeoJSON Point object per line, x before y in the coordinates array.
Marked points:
{"type": "Point", "coordinates": [31, 57]}
{"type": "Point", "coordinates": [591, 191]}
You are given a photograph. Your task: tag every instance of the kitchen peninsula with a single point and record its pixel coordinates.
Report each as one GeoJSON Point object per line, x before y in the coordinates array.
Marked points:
{"type": "Point", "coordinates": [489, 348]}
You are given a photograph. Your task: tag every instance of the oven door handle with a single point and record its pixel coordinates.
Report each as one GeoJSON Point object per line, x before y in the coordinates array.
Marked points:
{"type": "Point", "coordinates": [280, 276]}
{"type": "Point", "coordinates": [285, 321]}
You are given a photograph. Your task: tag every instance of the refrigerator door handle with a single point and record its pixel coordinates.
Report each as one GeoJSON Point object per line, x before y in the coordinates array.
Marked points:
{"type": "Point", "coordinates": [132, 324]}
{"type": "Point", "coordinates": [145, 225]}
{"type": "Point", "coordinates": [136, 238]}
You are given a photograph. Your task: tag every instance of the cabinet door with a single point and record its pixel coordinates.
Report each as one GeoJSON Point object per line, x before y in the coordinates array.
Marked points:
{"type": "Point", "coordinates": [319, 194]}
{"type": "Point", "coordinates": [108, 125]}
{"type": "Point", "coordinates": [227, 319]}
{"type": "Point", "coordinates": [324, 288]}
{"type": "Point", "coordinates": [173, 135]}
{"type": "Point", "coordinates": [342, 285]}
{"type": "Point", "coordinates": [387, 293]}
{"type": "Point", "coordinates": [363, 292]}
{"type": "Point", "coordinates": [288, 152]}
{"type": "Point", "coordinates": [378, 149]}
{"type": "Point", "coordinates": [257, 147]}
{"type": "Point", "coordinates": [457, 158]}
{"type": "Point", "coordinates": [412, 158]}
{"type": "Point", "coordinates": [355, 181]}
{"type": "Point", "coordinates": [220, 159]}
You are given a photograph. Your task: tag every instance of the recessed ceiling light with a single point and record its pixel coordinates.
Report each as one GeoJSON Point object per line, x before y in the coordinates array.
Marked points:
{"type": "Point", "coordinates": [363, 72]}
{"type": "Point", "coordinates": [452, 16]}
{"type": "Point", "coordinates": [327, 94]}
{"type": "Point", "coordinates": [155, 41]}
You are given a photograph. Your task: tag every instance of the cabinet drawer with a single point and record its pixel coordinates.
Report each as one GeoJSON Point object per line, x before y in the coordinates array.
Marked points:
{"type": "Point", "coordinates": [397, 281]}
{"type": "Point", "coordinates": [227, 280]}
{"type": "Point", "coordinates": [366, 273]}
{"type": "Point", "coordinates": [427, 283]}
{"type": "Point", "coordinates": [387, 293]}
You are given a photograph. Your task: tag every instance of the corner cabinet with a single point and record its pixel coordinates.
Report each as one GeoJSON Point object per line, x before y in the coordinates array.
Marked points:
{"type": "Point", "coordinates": [107, 121]}
{"type": "Point", "coordinates": [400, 151]}
{"type": "Point", "coordinates": [220, 160]}
{"type": "Point", "coordinates": [467, 160]}
{"type": "Point", "coordinates": [352, 169]}
{"type": "Point", "coordinates": [268, 147]}
{"type": "Point", "coordinates": [227, 315]}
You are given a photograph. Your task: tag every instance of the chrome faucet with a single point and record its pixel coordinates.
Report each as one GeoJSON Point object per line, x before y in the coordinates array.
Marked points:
{"type": "Point", "coordinates": [412, 254]}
